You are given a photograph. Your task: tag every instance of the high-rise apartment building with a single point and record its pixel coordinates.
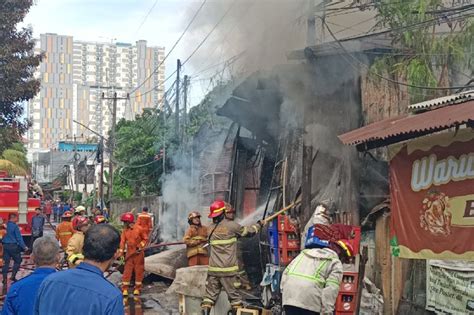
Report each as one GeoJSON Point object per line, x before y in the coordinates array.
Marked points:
{"type": "Point", "coordinates": [75, 74]}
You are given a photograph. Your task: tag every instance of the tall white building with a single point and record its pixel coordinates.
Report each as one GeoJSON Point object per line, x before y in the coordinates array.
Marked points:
{"type": "Point", "coordinates": [75, 74]}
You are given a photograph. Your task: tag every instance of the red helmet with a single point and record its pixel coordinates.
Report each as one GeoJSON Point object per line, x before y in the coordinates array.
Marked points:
{"type": "Point", "coordinates": [67, 214]}
{"type": "Point", "coordinates": [127, 217]}
{"type": "Point", "coordinates": [100, 219]}
{"type": "Point", "coordinates": [79, 221]}
{"type": "Point", "coordinates": [346, 247]}
{"type": "Point", "coordinates": [216, 209]}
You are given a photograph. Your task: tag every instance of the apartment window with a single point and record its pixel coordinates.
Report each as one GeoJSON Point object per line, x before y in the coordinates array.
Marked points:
{"type": "Point", "coordinates": [61, 103]}
{"type": "Point", "coordinates": [61, 78]}
{"type": "Point", "coordinates": [45, 77]}
{"type": "Point", "coordinates": [68, 68]}
{"type": "Point", "coordinates": [61, 57]}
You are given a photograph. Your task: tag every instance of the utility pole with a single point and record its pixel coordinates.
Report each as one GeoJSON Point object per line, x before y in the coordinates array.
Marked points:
{"type": "Point", "coordinates": [311, 24]}
{"type": "Point", "coordinates": [176, 117]}
{"type": "Point", "coordinates": [185, 101]}
{"type": "Point", "coordinates": [76, 178]}
{"type": "Point", "coordinates": [114, 98]}
{"type": "Point", "coordinates": [101, 181]}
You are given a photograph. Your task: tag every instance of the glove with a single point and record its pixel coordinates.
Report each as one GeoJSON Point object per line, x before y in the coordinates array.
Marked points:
{"type": "Point", "coordinates": [261, 223]}
{"type": "Point", "coordinates": [121, 260]}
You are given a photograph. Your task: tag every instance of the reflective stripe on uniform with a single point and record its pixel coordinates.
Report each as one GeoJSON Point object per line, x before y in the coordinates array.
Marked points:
{"type": "Point", "coordinates": [198, 238]}
{"type": "Point", "coordinates": [223, 269]}
{"type": "Point", "coordinates": [224, 242]}
{"type": "Point", "coordinates": [64, 233]}
{"type": "Point", "coordinates": [311, 277]}
{"type": "Point", "coordinates": [74, 257]}
{"type": "Point", "coordinates": [333, 282]}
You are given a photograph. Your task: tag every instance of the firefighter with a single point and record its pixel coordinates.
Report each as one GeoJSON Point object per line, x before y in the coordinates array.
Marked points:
{"type": "Point", "coordinates": [223, 266]}
{"type": "Point", "coordinates": [75, 244]}
{"type": "Point", "coordinates": [80, 211]}
{"type": "Point", "coordinates": [144, 220]}
{"type": "Point", "coordinates": [132, 244]}
{"type": "Point", "coordinates": [100, 219]}
{"type": "Point", "coordinates": [64, 230]}
{"type": "Point", "coordinates": [243, 281]}
{"type": "Point", "coordinates": [310, 283]}
{"type": "Point", "coordinates": [3, 231]}
{"type": "Point", "coordinates": [195, 238]}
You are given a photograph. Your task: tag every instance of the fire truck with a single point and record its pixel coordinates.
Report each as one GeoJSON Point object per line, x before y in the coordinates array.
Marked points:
{"type": "Point", "coordinates": [14, 199]}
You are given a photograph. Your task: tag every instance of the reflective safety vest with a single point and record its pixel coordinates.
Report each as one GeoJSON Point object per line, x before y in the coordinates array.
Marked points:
{"type": "Point", "coordinates": [74, 249]}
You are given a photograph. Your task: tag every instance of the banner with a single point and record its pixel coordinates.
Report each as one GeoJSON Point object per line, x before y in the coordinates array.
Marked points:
{"type": "Point", "coordinates": [449, 291]}
{"type": "Point", "coordinates": [432, 193]}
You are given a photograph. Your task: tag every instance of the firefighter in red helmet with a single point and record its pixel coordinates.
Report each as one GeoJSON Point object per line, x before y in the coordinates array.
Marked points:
{"type": "Point", "coordinates": [223, 266]}
{"type": "Point", "coordinates": [100, 219]}
{"type": "Point", "coordinates": [132, 244]}
{"type": "Point", "coordinates": [195, 239]}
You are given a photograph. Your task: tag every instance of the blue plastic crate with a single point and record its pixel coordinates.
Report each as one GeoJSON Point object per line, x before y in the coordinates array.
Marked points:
{"type": "Point", "coordinates": [273, 225]}
{"type": "Point", "coordinates": [273, 238]}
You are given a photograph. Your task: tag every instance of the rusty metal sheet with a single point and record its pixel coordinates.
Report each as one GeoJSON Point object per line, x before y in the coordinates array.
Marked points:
{"type": "Point", "coordinates": [404, 127]}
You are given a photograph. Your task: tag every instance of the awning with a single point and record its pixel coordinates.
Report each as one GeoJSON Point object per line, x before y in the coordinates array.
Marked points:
{"type": "Point", "coordinates": [409, 126]}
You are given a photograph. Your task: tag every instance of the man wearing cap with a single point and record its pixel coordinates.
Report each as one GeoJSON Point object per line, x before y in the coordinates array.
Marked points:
{"type": "Point", "coordinates": [195, 239]}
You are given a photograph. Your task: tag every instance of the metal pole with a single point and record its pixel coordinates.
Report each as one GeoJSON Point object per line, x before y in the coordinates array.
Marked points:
{"type": "Point", "coordinates": [311, 24]}
{"type": "Point", "coordinates": [101, 182]}
{"type": "Point", "coordinates": [177, 100]}
{"type": "Point", "coordinates": [185, 101]}
{"type": "Point", "coordinates": [112, 145]}
{"type": "Point", "coordinates": [76, 181]}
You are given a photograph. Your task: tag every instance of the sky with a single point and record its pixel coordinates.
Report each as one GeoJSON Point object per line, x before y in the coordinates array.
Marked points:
{"type": "Point", "coordinates": [122, 21]}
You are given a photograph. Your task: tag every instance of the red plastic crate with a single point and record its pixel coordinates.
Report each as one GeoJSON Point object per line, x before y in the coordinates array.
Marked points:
{"type": "Point", "coordinates": [355, 242]}
{"type": "Point", "coordinates": [284, 256]}
{"type": "Point", "coordinates": [284, 224]}
{"type": "Point", "coordinates": [349, 282]}
{"type": "Point", "coordinates": [288, 241]}
{"type": "Point", "coordinates": [346, 302]}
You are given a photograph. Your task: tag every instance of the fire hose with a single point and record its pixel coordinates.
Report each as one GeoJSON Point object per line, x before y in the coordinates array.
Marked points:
{"type": "Point", "coordinates": [116, 268]}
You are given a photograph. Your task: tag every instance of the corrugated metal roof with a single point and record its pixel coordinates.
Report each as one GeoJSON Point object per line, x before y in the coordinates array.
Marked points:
{"type": "Point", "coordinates": [444, 101]}
{"type": "Point", "coordinates": [404, 127]}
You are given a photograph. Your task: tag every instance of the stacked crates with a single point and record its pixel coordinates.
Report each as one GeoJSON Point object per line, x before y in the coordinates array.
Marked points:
{"type": "Point", "coordinates": [284, 241]}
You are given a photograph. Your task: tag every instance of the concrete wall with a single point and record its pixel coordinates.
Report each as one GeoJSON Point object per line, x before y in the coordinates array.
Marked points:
{"type": "Point", "coordinates": [153, 202]}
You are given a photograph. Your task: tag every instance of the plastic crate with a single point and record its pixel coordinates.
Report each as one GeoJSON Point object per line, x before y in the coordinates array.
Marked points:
{"type": "Point", "coordinates": [288, 241]}
{"type": "Point", "coordinates": [349, 282]}
{"type": "Point", "coordinates": [286, 256]}
{"type": "Point", "coordinates": [346, 302]}
{"type": "Point", "coordinates": [355, 242]}
{"type": "Point", "coordinates": [274, 256]}
{"type": "Point", "coordinates": [273, 225]}
{"type": "Point", "coordinates": [273, 238]}
{"type": "Point", "coordinates": [284, 224]}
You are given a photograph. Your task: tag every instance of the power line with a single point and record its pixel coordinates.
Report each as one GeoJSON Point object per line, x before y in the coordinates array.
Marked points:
{"type": "Point", "coordinates": [146, 16]}
{"type": "Point", "coordinates": [385, 78]}
{"type": "Point", "coordinates": [172, 48]}
{"type": "Point", "coordinates": [194, 51]}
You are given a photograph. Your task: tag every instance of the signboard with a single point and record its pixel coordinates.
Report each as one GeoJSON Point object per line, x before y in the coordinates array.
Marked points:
{"type": "Point", "coordinates": [432, 193]}
{"type": "Point", "coordinates": [448, 289]}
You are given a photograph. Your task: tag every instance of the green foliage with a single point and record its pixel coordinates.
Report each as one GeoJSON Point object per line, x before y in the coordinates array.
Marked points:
{"type": "Point", "coordinates": [13, 160]}
{"type": "Point", "coordinates": [426, 54]}
{"type": "Point", "coordinates": [17, 65]}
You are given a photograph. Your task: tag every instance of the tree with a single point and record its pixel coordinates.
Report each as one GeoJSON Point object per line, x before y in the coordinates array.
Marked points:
{"type": "Point", "coordinates": [13, 160]}
{"type": "Point", "coordinates": [433, 44]}
{"type": "Point", "coordinates": [17, 66]}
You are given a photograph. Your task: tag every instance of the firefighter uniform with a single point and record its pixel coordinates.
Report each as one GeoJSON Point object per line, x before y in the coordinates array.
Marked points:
{"type": "Point", "coordinates": [311, 282]}
{"type": "Point", "coordinates": [64, 233]}
{"type": "Point", "coordinates": [74, 249]}
{"type": "Point", "coordinates": [195, 238]}
{"type": "Point", "coordinates": [132, 242]}
{"type": "Point", "coordinates": [3, 231]}
{"type": "Point", "coordinates": [223, 266]}
{"type": "Point", "coordinates": [144, 220]}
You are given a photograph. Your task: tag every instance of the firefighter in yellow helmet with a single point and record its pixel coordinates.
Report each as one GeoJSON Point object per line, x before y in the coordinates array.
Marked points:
{"type": "Point", "coordinates": [76, 242]}
{"type": "Point", "coordinates": [195, 239]}
{"type": "Point", "coordinates": [223, 266]}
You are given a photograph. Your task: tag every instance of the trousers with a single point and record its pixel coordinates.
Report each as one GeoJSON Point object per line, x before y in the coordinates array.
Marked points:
{"type": "Point", "coordinates": [293, 310]}
{"type": "Point", "coordinates": [198, 259]}
{"type": "Point", "coordinates": [135, 263]}
{"type": "Point", "coordinates": [11, 251]}
{"type": "Point", "coordinates": [214, 284]}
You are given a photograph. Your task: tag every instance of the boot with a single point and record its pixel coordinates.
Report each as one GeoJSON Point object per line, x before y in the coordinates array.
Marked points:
{"type": "Point", "coordinates": [125, 292]}
{"type": "Point", "coordinates": [136, 292]}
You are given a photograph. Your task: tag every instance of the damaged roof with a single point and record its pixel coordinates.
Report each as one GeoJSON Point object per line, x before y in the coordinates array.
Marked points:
{"type": "Point", "coordinates": [443, 101]}
{"type": "Point", "coordinates": [404, 127]}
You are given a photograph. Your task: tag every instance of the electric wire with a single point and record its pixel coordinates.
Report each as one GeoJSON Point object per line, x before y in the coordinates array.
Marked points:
{"type": "Point", "coordinates": [146, 16]}
{"type": "Point", "coordinates": [172, 49]}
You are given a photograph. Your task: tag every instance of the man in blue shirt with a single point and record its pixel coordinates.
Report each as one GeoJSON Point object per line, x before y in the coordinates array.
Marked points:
{"type": "Point", "coordinates": [13, 244]}
{"type": "Point", "coordinates": [21, 296]}
{"type": "Point", "coordinates": [37, 225]}
{"type": "Point", "coordinates": [84, 289]}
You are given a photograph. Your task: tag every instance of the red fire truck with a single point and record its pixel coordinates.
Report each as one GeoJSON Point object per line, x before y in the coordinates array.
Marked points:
{"type": "Point", "coordinates": [14, 199]}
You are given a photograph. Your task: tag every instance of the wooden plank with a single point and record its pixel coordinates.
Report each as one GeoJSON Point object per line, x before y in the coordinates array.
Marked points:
{"type": "Point", "coordinates": [383, 260]}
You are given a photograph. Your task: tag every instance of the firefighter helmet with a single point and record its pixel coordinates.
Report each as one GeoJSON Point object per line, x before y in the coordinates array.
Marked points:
{"type": "Point", "coordinates": [79, 209]}
{"type": "Point", "coordinates": [79, 222]}
{"type": "Point", "coordinates": [216, 209]}
{"type": "Point", "coordinates": [100, 219]}
{"type": "Point", "coordinates": [67, 214]}
{"type": "Point", "coordinates": [127, 217]}
{"type": "Point", "coordinates": [346, 247]}
{"type": "Point", "coordinates": [193, 215]}
{"type": "Point", "coordinates": [229, 208]}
